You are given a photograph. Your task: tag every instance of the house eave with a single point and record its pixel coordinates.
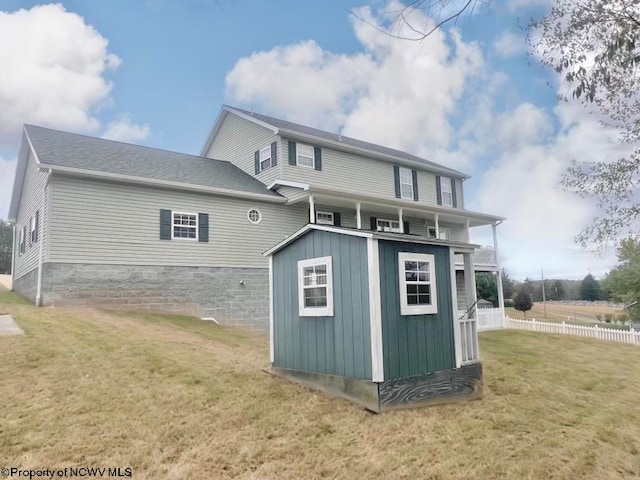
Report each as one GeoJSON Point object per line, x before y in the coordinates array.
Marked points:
{"type": "Point", "coordinates": [320, 141]}
{"type": "Point", "coordinates": [160, 183]}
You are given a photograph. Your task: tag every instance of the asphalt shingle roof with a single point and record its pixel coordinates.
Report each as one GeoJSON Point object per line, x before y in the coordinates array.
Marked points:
{"type": "Point", "coordinates": [64, 149]}
{"type": "Point", "coordinates": [353, 142]}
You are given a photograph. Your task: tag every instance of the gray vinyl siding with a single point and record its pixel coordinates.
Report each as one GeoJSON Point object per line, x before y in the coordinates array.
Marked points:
{"type": "Point", "coordinates": [459, 193]}
{"type": "Point", "coordinates": [30, 202]}
{"type": "Point", "coordinates": [347, 172]}
{"type": "Point", "coordinates": [336, 345]}
{"type": "Point", "coordinates": [112, 223]}
{"type": "Point", "coordinates": [293, 194]}
{"type": "Point", "coordinates": [237, 141]}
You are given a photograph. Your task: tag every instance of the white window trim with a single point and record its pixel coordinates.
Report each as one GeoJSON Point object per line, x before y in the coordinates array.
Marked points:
{"type": "Point", "coordinates": [325, 222]}
{"type": "Point", "coordinates": [315, 311]}
{"type": "Point", "coordinates": [400, 170]}
{"type": "Point", "coordinates": [446, 181]}
{"type": "Point", "coordinates": [405, 308]}
{"type": "Point", "coordinates": [197, 226]}
{"type": "Point", "coordinates": [313, 159]}
{"type": "Point", "coordinates": [394, 230]}
{"type": "Point", "coordinates": [32, 229]}
{"type": "Point", "coordinates": [259, 216]}
{"type": "Point", "coordinates": [260, 160]}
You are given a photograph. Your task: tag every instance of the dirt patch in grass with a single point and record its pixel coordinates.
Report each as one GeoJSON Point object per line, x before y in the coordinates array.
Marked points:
{"type": "Point", "coordinates": [179, 398]}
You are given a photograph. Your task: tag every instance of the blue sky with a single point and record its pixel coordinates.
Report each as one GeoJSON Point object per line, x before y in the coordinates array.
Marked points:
{"type": "Point", "coordinates": [155, 72]}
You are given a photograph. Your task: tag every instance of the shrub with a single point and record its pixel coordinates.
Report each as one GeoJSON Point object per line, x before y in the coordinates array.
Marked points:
{"type": "Point", "coordinates": [608, 317]}
{"type": "Point", "coordinates": [623, 318]}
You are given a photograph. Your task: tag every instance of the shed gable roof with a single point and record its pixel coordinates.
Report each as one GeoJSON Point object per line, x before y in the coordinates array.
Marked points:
{"type": "Point", "coordinates": [63, 149]}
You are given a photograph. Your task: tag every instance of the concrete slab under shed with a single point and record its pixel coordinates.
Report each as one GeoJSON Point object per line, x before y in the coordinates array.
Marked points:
{"type": "Point", "coordinates": [8, 326]}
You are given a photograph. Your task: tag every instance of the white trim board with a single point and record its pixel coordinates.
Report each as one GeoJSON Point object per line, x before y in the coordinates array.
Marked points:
{"type": "Point", "coordinates": [375, 311]}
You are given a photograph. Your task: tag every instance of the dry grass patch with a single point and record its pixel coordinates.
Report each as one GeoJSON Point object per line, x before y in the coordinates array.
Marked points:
{"type": "Point", "coordinates": [558, 312]}
{"type": "Point", "coordinates": [173, 397]}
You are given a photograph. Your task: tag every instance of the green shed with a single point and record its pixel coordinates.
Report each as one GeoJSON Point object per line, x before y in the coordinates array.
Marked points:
{"type": "Point", "coordinates": [372, 317]}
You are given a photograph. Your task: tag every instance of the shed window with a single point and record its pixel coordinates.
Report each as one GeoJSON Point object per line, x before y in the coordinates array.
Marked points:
{"type": "Point", "coordinates": [304, 155]}
{"type": "Point", "coordinates": [185, 225]}
{"type": "Point", "coordinates": [315, 287]}
{"type": "Point", "coordinates": [417, 283]}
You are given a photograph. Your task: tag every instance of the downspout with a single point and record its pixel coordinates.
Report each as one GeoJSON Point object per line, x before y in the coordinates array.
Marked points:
{"type": "Point", "coordinates": [41, 240]}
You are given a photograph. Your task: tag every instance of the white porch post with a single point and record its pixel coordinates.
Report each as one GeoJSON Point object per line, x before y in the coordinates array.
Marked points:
{"type": "Point", "coordinates": [499, 279]}
{"type": "Point", "coordinates": [358, 216]}
{"type": "Point", "coordinates": [468, 236]}
{"type": "Point", "coordinates": [437, 227]}
{"type": "Point", "coordinates": [312, 210]}
{"type": "Point", "coordinates": [472, 298]}
{"type": "Point", "coordinates": [400, 220]}
{"type": "Point", "coordinates": [454, 308]}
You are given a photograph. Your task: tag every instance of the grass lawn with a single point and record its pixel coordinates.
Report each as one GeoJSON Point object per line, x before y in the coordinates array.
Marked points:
{"type": "Point", "coordinates": [179, 398]}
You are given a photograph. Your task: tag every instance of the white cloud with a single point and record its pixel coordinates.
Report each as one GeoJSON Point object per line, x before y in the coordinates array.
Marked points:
{"type": "Point", "coordinates": [396, 93]}
{"type": "Point", "coordinates": [7, 170]}
{"type": "Point", "coordinates": [54, 66]}
{"type": "Point", "coordinates": [509, 44]}
{"type": "Point", "coordinates": [123, 130]}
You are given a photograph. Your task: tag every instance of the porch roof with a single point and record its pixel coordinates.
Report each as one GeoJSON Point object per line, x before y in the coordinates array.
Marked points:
{"type": "Point", "coordinates": [396, 237]}
{"type": "Point", "coordinates": [340, 198]}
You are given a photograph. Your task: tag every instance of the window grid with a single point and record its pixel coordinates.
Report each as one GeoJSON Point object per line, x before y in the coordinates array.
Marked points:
{"type": "Point", "coordinates": [324, 218]}
{"type": "Point", "coordinates": [406, 183]}
{"type": "Point", "coordinates": [445, 189]}
{"type": "Point", "coordinates": [315, 287]}
{"type": "Point", "coordinates": [304, 155]}
{"type": "Point", "coordinates": [265, 158]}
{"type": "Point", "coordinates": [254, 216]}
{"type": "Point", "coordinates": [185, 226]}
{"type": "Point", "coordinates": [388, 225]}
{"type": "Point", "coordinates": [417, 283]}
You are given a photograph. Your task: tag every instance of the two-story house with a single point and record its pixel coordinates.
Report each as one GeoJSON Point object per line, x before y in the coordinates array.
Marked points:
{"type": "Point", "coordinates": [99, 222]}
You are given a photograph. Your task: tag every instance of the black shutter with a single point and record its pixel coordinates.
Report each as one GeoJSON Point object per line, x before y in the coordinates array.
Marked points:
{"type": "Point", "coordinates": [274, 153]}
{"type": "Point", "coordinates": [165, 224]}
{"type": "Point", "coordinates": [405, 226]}
{"type": "Point", "coordinates": [203, 227]}
{"type": "Point", "coordinates": [454, 200]}
{"type": "Point", "coordinates": [396, 179]}
{"type": "Point", "coordinates": [317, 157]}
{"type": "Point", "coordinates": [414, 174]}
{"type": "Point", "coordinates": [336, 219]}
{"type": "Point", "coordinates": [292, 153]}
{"type": "Point", "coordinates": [438, 191]}
{"type": "Point", "coordinates": [256, 161]}
{"type": "Point", "coordinates": [374, 224]}
{"type": "Point", "coordinates": [37, 234]}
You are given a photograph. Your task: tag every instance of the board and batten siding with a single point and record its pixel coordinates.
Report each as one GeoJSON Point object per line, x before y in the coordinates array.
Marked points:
{"type": "Point", "coordinates": [355, 174]}
{"type": "Point", "coordinates": [415, 344]}
{"type": "Point", "coordinates": [238, 140]}
{"type": "Point", "coordinates": [31, 201]}
{"type": "Point", "coordinates": [115, 223]}
{"type": "Point", "coordinates": [337, 345]}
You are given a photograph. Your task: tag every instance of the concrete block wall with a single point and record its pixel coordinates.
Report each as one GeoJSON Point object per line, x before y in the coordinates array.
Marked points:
{"type": "Point", "coordinates": [27, 285]}
{"type": "Point", "coordinates": [233, 296]}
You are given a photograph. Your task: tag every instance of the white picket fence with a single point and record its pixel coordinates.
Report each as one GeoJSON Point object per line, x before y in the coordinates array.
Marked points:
{"type": "Point", "coordinates": [608, 334]}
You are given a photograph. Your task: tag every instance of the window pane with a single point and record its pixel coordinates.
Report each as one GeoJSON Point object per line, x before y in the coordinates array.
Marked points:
{"type": "Point", "coordinates": [265, 164]}
{"type": "Point", "coordinates": [411, 276]}
{"type": "Point", "coordinates": [412, 288]}
{"type": "Point", "coordinates": [321, 279]}
{"type": "Point", "coordinates": [424, 299]}
{"type": "Point", "coordinates": [445, 185]}
{"type": "Point", "coordinates": [304, 150]}
{"type": "Point", "coordinates": [424, 289]}
{"type": "Point", "coordinates": [411, 265]}
{"type": "Point", "coordinates": [423, 266]}
{"type": "Point", "coordinates": [446, 198]}
{"type": "Point", "coordinates": [412, 299]}
{"type": "Point", "coordinates": [315, 297]}
{"type": "Point", "coordinates": [265, 154]}
{"type": "Point", "coordinates": [423, 277]}
{"type": "Point", "coordinates": [321, 269]}
{"type": "Point", "coordinates": [406, 191]}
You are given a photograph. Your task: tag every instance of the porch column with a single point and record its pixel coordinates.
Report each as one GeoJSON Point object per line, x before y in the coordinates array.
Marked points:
{"type": "Point", "coordinates": [437, 227]}
{"type": "Point", "coordinates": [312, 210]}
{"type": "Point", "coordinates": [470, 282]}
{"type": "Point", "coordinates": [468, 236]}
{"type": "Point", "coordinates": [358, 217]}
{"type": "Point", "coordinates": [499, 279]}
{"type": "Point", "coordinates": [454, 307]}
{"type": "Point", "coordinates": [400, 220]}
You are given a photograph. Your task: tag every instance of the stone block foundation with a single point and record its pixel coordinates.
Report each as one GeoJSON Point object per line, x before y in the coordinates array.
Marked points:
{"type": "Point", "coordinates": [232, 296]}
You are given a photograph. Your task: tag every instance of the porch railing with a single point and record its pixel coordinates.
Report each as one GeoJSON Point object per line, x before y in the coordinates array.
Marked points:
{"type": "Point", "coordinates": [467, 321]}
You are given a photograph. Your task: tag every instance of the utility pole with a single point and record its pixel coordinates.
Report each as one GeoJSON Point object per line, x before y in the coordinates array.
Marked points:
{"type": "Point", "coordinates": [544, 299]}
